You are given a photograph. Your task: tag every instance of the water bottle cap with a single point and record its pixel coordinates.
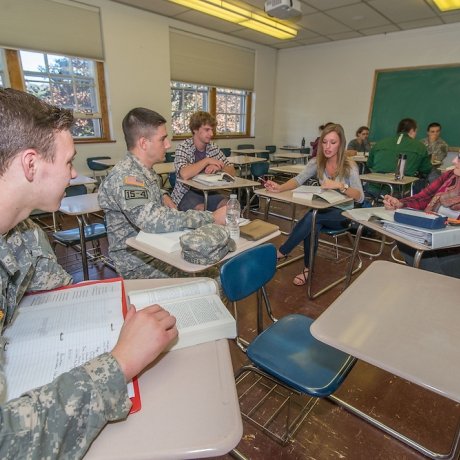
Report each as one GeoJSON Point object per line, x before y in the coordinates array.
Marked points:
{"type": "Point", "coordinates": [233, 195]}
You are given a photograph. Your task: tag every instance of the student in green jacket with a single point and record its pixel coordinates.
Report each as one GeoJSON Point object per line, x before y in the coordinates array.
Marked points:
{"type": "Point", "coordinates": [383, 157]}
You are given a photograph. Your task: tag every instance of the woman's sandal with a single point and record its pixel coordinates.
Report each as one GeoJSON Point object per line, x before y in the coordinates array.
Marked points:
{"type": "Point", "coordinates": [301, 278]}
{"type": "Point", "coordinates": [281, 257]}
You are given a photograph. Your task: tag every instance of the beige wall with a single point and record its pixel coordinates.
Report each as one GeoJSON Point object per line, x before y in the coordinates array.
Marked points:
{"type": "Point", "coordinates": [136, 47]}
{"type": "Point", "coordinates": [333, 82]}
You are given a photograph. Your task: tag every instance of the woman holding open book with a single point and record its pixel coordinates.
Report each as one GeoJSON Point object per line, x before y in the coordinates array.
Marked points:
{"type": "Point", "coordinates": [443, 197]}
{"type": "Point", "coordinates": [335, 172]}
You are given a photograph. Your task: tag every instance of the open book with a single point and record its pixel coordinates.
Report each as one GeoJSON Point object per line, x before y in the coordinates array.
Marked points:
{"type": "Point", "coordinates": [201, 316]}
{"type": "Point", "coordinates": [55, 331]}
{"type": "Point", "coordinates": [167, 242]}
{"type": "Point", "coordinates": [222, 178]}
{"type": "Point", "coordinates": [308, 192]}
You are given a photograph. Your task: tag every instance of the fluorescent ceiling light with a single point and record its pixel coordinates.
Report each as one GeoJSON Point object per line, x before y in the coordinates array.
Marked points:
{"type": "Point", "coordinates": [238, 15]}
{"type": "Point", "coordinates": [447, 5]}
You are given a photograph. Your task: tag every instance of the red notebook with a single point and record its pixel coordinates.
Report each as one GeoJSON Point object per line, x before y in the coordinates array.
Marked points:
{"type": "Point", "coordinates": [50, 334]}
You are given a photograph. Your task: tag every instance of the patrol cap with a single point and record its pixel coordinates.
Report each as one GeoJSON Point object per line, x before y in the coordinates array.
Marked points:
{"type": "Point", "coordinates": [207, 244]}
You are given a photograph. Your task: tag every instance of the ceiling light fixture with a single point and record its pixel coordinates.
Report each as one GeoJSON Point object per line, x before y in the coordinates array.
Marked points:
{"type": "Point", "coordinates": [447, 5]}
{"type": "Point", "coordinates": [233, 13]}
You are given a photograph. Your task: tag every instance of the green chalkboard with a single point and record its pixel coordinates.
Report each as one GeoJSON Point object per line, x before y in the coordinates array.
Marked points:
{"type": "Point", "coordinates": [426, 94]}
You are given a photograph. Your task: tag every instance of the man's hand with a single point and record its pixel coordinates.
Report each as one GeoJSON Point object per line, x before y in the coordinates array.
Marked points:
{"type": "Point", "coordinates": [167, 201]}
{"type": "Point", "coordinates": [144, 335]}
{"type": "Point", "coordinates": [219, 215]}
{"type": "Point", "coordinates": [211, 169]}
{"type": "Point", "coordinates": [391, 202]}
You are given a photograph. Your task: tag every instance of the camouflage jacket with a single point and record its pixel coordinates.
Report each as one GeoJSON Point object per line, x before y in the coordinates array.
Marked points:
{"type": "Point", "coordinates": [437, 149]}
{"type": "Point", "coordinates": [131, 198]}
{"type": "Point", "coordinates": [61, 419]}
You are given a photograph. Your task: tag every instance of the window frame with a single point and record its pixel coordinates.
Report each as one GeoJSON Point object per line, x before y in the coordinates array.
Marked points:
{"type": "Point", "coordinates": [212, 108]}
{"type": "Point", "coordinates": [15, 74]}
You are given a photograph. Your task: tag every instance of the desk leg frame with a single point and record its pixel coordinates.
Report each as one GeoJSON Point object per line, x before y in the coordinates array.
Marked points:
{"type": "Point", "coordinates": [399, 436]}
{"type": "Point", "coordinates": [84, 257]}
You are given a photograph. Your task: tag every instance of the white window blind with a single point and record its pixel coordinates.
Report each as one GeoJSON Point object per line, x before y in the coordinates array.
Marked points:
{"type": "Point", "coordinates": [208, 62]}
{"type": "Point", "coordinates": [56, 26]}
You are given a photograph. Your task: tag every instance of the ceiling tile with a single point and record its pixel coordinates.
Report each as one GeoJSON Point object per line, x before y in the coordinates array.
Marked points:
{"type": "Point", "coordinates": [358, 16]}
{"type": "Point", "coordinates": [380, 30]}
{"type": "Point", "coordinates": [421, 23]}
{"type": "Point", "coordinates": [254, 36]}
{"type": "Point", "coordinates": [314, 41]}
{"type": "Point", "coordinates": [305, 33]}
{"type": "Point", "coordinates": [323, 24]}
{"type": "Point", "coordinates": [403, 11]}
{"type": "Point", "coordinates": [345, 35]}
{"type": "Point", "coordinates": [448, 18]}
{"type": "Point", "coordinates": [324, 5]}
{"type": "Point", "coordinates": [210, 22]}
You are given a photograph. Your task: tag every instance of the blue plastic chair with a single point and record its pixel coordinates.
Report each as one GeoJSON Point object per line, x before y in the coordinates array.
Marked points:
{"type": "Point", "coordinates": [245, 146]}
{"type": "Point", "coordinates": [285, 353]}
{"type": "Point", "coordinates": [259, 169]}
{"type": "Point", "coordinates": [169, 157]}
{"type": "Point", "coordinates": [227, 151]}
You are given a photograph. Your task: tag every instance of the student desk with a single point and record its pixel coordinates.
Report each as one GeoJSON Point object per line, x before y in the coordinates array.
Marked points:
{"type": "Point", "coordinates": [389, 179]}
{"type": "Point", "coordinates": [176, 260]}
{"type": "Point", "coordinates": [78, 206]}
{"type": "Point", "coordinates": [291, 156]}
{"type": "Point", "coordinates": [288, 169]}
{"type": "Point", "coordinates": [361, 160]}
{"type": "Point", "coordinates": [242, 160]}
{"type": "Point", "coordinates": [190, 407]}
{"type": "Point", "coordinates": [407, 326]}
{"type": "Point", "coordinates": [163, 170]}
{"type": "Point", "coordinates": [315, 205]}
{"type": "Point", "coordinates": [250, 151]}
{"type": "Point", "coordinates": [238, 183]}
{"type": "Point", "coordinates": [82, 180]}
{"type": "Point", "coordinates": [107, 162]}
{"type": "Point", "coordinates": [291, 148]}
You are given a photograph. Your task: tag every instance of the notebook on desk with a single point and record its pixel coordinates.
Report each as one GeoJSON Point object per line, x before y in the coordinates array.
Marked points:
{"type": "Point", "coordinates": [257, 229]}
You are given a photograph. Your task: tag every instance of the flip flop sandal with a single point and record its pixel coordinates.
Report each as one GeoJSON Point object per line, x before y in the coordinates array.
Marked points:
{"type": "Point", "coordinates": [301, 278]}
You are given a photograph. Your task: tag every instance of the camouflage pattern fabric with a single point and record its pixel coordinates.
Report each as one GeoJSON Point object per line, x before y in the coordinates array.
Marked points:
{"type": "Point", "coordinates": [61, 419]}
{"type": "Point", "coordinates": [437, 149]}
{"type": "Point", "coordinates": [131, 198]}
{"type": "Point", "coordinates": [206, 245]}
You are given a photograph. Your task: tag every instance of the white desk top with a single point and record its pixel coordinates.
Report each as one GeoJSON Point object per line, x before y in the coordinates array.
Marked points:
{"type": "Point", "coordinates": [164, 168]}
{"type": "Point", "coordinates": [238, 183]}
{"type": "Point", "coordinates": [359, 158]}
{"type": "Point", "coordinates": [189, 409]}
{"type": "Point", "coordinates": [387, 178]}
{"type": "Point", "coordinates": [291, 156]}
{"type": "Point", "coordinates": [286, 197]}
{"type": "Point", "coordinates": [288, 169]}
{"type": "Point", "coordinates": [175, 259]}
{"type": "Point", "coordinates": [400, 319]}
{"type": "Point", "coordinates": [250, 151]}
{"type": "Point", "coordinates": [291, 147]}
{"type": "Point", "coordinates": [241, 160]}
{"type": "Point", "coordinates": [82, 180]}
{"type": "Point", "coordinates": [80, 204]}
{"type": "Point", "coordinates": [107, 162]}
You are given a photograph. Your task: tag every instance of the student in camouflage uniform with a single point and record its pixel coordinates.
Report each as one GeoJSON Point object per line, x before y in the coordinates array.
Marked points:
{"type": "Point", "coordinates": [62, 418]}
{"type": "Point", "coordinates": [132, 199]}
{"type": "Point", "coordinates": [437, 148]}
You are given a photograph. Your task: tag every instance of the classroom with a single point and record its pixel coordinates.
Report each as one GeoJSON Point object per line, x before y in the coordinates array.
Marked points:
{"type": "Point", "coordinates": [143, 50]}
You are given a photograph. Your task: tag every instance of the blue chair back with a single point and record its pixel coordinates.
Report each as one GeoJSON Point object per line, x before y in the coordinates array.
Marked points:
{"type": "Point", "coordinates": [227, 151]}
{"type": "Point", "coordinates": [169, 157]}
{"type": "Point", "coordinates": [259, 169]}
{"type": "Point", "coordinates": [75, 190]}
{"type": "Point", "coordinates": [95, 166]}
{"type": "Point", "coordinates": [271, 148]}
{"type": "Point", "coordinates": [245, 146]}
{"type": "Point", "coordinates": [172, 179]}
{"type": "Point", "coordinates": [248, 271]}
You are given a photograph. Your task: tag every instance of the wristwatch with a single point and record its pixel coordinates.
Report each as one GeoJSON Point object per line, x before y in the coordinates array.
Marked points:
{"type": "Point", "coordinates": [344, 188]}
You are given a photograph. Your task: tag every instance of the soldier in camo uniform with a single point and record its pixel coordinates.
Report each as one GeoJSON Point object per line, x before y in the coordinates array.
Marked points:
{"type": "Point", "coordinates": [132, 199]}
{"type": "Point", "coordinates": [62, 418]}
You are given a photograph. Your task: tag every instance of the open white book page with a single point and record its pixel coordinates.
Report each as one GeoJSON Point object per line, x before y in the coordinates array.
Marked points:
{"type": "Point", "coordinates": [307, 192]}
{"type": "Point", "coordinates": [167, 242]}
{"type": "Point", "coordinates": [214, 179]}
{"type": "Point", "coordinates": [201, 316]}
{"type": "Point", "coordinates": [57, 331]}
{"type": "Point", "coordinates": [143, 298]}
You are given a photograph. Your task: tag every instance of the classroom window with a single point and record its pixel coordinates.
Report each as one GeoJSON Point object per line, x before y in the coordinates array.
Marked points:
{"type": "Point", "coordinates": [229, 106]}
{"type": "Point", "coordinates": [71, 82]}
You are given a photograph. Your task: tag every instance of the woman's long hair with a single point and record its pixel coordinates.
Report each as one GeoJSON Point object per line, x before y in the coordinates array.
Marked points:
{"type": "Point", "coordinates": [344, 165]}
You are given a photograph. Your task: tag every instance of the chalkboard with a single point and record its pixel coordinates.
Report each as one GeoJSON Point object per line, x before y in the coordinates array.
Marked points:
{"type": "Point", "coordinates": [426, 94]}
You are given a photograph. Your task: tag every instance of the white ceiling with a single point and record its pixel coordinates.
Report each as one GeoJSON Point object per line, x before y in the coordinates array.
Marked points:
{"type": "Point", "coordinates": [321, 21]}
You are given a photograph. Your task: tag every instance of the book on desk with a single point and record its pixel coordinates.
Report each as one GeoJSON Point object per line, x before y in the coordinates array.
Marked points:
{"type": "Point", "coordinates": [222, 178]}
{"type": "Point", "coordinates": [167, 242]}
{"type": "Point", "coordinates": [308, 192]}
{"type": "Point", "coordinates": [55, 331]}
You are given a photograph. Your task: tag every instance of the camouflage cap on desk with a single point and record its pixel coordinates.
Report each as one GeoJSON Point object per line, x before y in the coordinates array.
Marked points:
{"type": "Point", "coordinates": [206, 245]}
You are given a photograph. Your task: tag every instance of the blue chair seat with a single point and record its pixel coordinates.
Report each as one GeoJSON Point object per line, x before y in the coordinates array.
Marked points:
{"type": "Point", "coordinates": [72, 236]}
{"type": "Point", "coordinates": [289, 352]}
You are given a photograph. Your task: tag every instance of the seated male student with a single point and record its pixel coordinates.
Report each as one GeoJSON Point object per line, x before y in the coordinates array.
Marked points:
{"type": "Point", "coordinates": [132, 199]}
{"type": "Point", "coordinates": [62, 418]}
{"type": "Point", "coordinates": [383, 157]}
{"type": "Point", "coordinates": [437, 148]}
{"type": "Point", "coordinates": [199, 155]}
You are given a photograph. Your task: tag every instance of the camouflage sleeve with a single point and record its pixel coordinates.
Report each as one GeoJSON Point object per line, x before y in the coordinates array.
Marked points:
{"type": "Point", "coordinates": [61, 419]}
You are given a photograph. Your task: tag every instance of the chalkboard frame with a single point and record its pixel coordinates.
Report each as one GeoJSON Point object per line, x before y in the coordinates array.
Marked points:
{"type": "Point", "coordinates": [426, 93]}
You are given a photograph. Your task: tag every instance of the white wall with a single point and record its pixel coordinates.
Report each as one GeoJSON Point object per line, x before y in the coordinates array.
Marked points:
{"type": "Point", "coordinates": [136, 47]}
{"type": "Point", "coordinates": [334, 81]}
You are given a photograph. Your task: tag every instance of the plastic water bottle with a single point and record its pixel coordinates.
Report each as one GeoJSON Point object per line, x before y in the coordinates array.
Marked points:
{"type": "Point", "coordinates": [302, 144]}
{"type": "Point", "coordinates": [232, 218]}
{"type": "Point", "coordinates": [402, 166]}
{"type": "Point", "coordinates": [398, 168]}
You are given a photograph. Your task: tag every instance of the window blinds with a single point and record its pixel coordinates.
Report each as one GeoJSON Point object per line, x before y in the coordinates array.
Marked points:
{"type": "Point", "coordinates": [201, 60]}
{"type": "Point", "coordinates": [54, 26]}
